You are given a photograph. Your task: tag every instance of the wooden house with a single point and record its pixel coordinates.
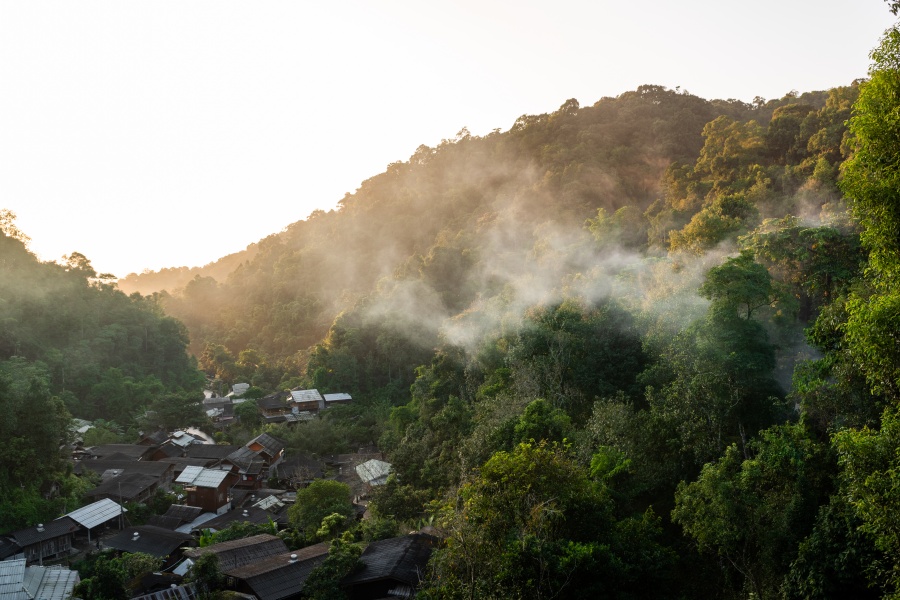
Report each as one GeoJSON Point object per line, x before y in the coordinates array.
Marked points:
{"type": "Point", "coordinates": [206, 488]}
{"type": "Point", "coordinates": [46, 541]}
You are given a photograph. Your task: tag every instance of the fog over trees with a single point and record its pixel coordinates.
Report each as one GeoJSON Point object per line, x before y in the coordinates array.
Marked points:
{"type": "Point", "coordinates": [640, 349]}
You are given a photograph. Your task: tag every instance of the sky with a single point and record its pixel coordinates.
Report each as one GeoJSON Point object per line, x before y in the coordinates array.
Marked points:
{"type": "Point", "coordinates": [160, 134]}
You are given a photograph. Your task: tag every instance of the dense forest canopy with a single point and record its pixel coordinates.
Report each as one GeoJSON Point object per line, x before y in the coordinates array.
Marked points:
{"type": "Point", "coordinates": [645, 348]}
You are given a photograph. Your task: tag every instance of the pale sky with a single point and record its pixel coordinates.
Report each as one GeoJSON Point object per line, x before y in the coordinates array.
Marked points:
{"type": "Point", "coordinates": [160, 134]}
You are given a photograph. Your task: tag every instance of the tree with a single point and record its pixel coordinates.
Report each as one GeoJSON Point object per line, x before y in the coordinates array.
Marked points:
{"type": "Point", "coordinates": [740, 284]}
{"type": "Point", "coordinates": [318, 500]}
{"type": "Point", "coordinates": [206, 573]}
{"type": "Point", "coordinates": [754, 510]}
{"type": "Point", "coordinates": [520, 529]}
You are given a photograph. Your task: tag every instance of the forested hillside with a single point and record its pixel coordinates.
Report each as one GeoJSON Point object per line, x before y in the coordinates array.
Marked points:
{"type": "Point", "coordinates": [640, 349]}
{"type": "Point", "coordinates": [72, 345]}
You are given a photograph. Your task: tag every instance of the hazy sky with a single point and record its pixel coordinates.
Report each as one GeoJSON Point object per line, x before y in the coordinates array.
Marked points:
{"type": "Point", "coordinates": [155, 134]}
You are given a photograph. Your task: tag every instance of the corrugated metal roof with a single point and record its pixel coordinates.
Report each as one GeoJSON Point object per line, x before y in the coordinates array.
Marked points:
{"type": "Point", "coordinates": [237, 553]}
{"type": "Point", "coordinates": [54, 529]}
{"type": "Point", "coordinates": [12, 578]}
{"type": "Point", "coordinates": [188, 475]}
{"type": "Point", "coordinates": [182, 592]}
{"type": "Point", "coordinates": [151, 540]}
{"type": "Point", "coordinates": [337, 397]}
{"type": "Point", "coordinates": [373, 471]}
{"type": "Point", "coordinates": [47, 583]}
{"type": "Point", "coordinates": [306, 396]}
{"type": "Point", "coordinates": [97, 513]}
{"type": "Point", "coordinates": [200, 477]}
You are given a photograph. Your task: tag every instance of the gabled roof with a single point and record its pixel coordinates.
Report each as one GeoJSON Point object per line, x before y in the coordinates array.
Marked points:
{"type": "Point", "coordinates": [400, 559]}
{"type": "Point", "coordinates": [299, 463]}
{"type": "Point", "coordinates": [153, 468]}
{"type": "Point", "coordinates": [127, 486]}
{"type": "Point", "coordinates": [151, 540]}
{"type": "Point", "coordinates": [271, 445]}
{"type": "Point", "coordinates": [272, 401]}
{"type": "Point", "coordinates": [184, 512]}
{"type": "Point", "coordinates": [246, 460]}
{"type": "Point", "coordinates": [169, 450]}
{"type": "Point", "coordinates": [157, 437]}
{"type": "Point", "coordinates": [237, 553]}
{"type": "Point", "coordinates": [182, 438]}
{"type": "Point", "coordinates": [46, 583]}
{"type": "Point", "coordinates": [96, 513]}
{"type": "Point", "coordinates": [200, 477]}
{"type": "Point", "coordinates": [251, 514]}
{"type": "Point", "coordinates": [46, 531]}
{"type": "Point", "coordinates": [374, 471]}
{"type": "Point", "coordinates": [12, 579]}
{"type": "Point", "coordinates": [134, 451]}
{"type": "Point", "coordinates": [209, 451]}
{"type": "Point", "coordinates": [308, 396]}
{"type": "Point", "coordinates": [281, 576]}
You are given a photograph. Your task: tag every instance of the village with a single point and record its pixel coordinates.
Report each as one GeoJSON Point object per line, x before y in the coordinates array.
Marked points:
{"type": "Point", "coordinates": [217, 487]}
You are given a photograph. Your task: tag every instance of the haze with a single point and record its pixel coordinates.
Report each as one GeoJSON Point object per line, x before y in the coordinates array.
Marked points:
{"type": "Point", "coordinates": [147, 135]}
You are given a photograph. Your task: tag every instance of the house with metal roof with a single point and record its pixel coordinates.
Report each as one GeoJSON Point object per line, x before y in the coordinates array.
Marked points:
{"type": "Point", "coordinates": [97, 514]}
{"type": "Point", "coordinates": [278, 577]}
{"type": "Point", "coordinates": [206, 488]}
{"type": "Point", "coordinates": [19, 582]}
{"type": "Point", "coordinates": [252, 514]}
{"type": "Point", "coordinates": [161, 471]}
{"type": "Point", "coordinates": [298, 470]}
{"type": "Point", "coordinates": [391, 568]}
{"type": "Point", "coordinates": [155, 541]}
{"type": "Point", "coordinates": [374, 472]}
{"type": "Point", "coordinates": [46, 541]}
{"type": "Point", "coordinates": [336, 399]}
{"type": "Point", "coordinates": [307, 400]}
{"type": "Point", "coordinates": [252, 461]}
{"type": "Point", "coordinates": [128, 487]}
{"type": "Point", "coordinates": [237, 553]}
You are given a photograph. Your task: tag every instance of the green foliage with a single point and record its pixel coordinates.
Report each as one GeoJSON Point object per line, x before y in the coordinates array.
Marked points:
{"type": "Point", "coordinates": [206, 573]}
{"type": "Point", "coordinates": [106, 576]}
{"type": "Point", "coordinates": [753, 509]}
{"type": "Point", "coordinates": [520, 528]}
{"type": "Point", "coordinates": [870, 471]}
{"type": "Point", "coordinates": [236, 530]}
{"type": "Point", "coordinates": [318, 500]}
{"type": "Point", "coordinates": [323, 581]}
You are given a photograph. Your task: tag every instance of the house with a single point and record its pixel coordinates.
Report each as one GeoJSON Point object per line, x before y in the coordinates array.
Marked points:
{"type": "Point", "coordinates": [373, 472]}
{"type": "Point", "coordinates": [205, 488]}
{"type": "Point", "coordinates": [299, 470]}
{"type": "Point", "coordinates": [176, 516]}
{"type": "Point", "coordinates": [307, 400]}
{"type": "Point", "coordinates": [154, 438]}
{"type": "Point", "coordinates": [19, 582]}
{"type": "Point", "coordinates": [336, 399]}
{"type": "Point", "coordinates": [277, 577]}
{"type": "Point", "coordinates": [237, 553]}
{"type": "Point", "coordinates": [134, 452]}
{"type": "Point", "coordinates": [273, 408]}
{"type": "Point", "coordinates": [391, 568]}
{"type": "Point", "coordinates": [251, 462]}
{"type": "Point", "coordinates": [46, 541]}
{"type": "Point", "coordinates": [97, 514]}
{"type": "Point", "coordinates": [209, 451]}
{"type": "Point", "coordinates": [128, 487]}
{"type": "Point", "coordinates": [172, 592]}
{"type": "Point", "coordinates": [155, 541]}
{"type": "Point", "coordinates": [239, 389]}
{"type": "Point", "coordinates": [268, 447]}
{"type": "Point", "coordinates": [162, 472]}
{"type": "Point", "coordinates": [256, 516]}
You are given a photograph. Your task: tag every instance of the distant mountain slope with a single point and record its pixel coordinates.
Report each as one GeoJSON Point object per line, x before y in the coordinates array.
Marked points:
{"type": "Point", "coordinates": [450, 215]}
